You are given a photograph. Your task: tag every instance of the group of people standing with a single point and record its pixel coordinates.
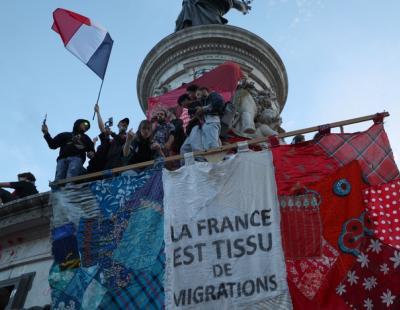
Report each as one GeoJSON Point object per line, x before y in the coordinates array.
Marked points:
{"type": "Point", "coordinates": [162, 136]}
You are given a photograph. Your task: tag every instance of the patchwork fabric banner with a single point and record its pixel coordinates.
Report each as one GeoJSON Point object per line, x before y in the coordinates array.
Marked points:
{"type": "Point", "coordinates": [108, 244]}
{"type": "Point", "coordinates": [301, 164]}
{"type": "Point", "coordinates": [383, 205]}
{"type": "Point", "coordinates": [222, 236]}
{"type": "Point", "coordinates": [313, 280]}
{"type": "Point", "coordinates": [373, 282]}
{"type": "Point", "coordinates": [301, 226]}
{"type": "Point", "coordinates": [225, 239]}
{"type": "Point", "coordinates": [371, 148]}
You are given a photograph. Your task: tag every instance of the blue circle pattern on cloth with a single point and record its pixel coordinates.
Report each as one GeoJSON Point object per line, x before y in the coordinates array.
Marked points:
{"type": "Point", "coordinates": [342, 187]}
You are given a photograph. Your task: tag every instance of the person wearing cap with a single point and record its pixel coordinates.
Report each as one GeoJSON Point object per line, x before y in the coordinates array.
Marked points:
{"type": "Point", "coordinates": [73, 149]}
{"type": "Point", "coordinates": [112, 141]}
{"type": "Point", "coordinates": [23, 188]}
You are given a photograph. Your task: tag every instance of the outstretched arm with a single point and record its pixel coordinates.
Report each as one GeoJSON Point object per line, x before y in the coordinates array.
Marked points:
{"type": "Point", "coordinates": [126, 149]}
{"type": "Point", "coordinates": [242, 6]}
{"type": "Point", "coordinates": [99, 119]}
{"type": "Point", "coordinates": [53, 143]}
{"type": "Point", "coordinates": [5, 184]}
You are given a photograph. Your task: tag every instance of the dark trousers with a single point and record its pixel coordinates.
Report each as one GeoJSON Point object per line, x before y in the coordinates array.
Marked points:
{"type": "Point", "coordinates": [5, 196]}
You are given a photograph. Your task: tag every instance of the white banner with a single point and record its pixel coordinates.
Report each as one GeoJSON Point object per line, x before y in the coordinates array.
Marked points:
{"type": "Point", "coordinates": [222, 236]}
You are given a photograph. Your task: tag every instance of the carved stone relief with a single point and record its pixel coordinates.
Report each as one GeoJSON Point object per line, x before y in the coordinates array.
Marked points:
{"type": "Point", "coordinates": [257, 112]}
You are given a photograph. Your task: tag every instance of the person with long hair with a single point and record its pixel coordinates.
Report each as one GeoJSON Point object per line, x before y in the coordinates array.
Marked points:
{"type": "Point", "coordinates": [140, 147]}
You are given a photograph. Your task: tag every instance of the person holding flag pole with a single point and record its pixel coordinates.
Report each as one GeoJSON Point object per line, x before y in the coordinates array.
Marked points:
{"type": "Point", "coordinates": [87, 40]}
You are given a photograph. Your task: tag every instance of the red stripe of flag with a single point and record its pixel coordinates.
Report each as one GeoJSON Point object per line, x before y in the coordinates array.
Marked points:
{"type": "Point", "coordinates": [67, 23]}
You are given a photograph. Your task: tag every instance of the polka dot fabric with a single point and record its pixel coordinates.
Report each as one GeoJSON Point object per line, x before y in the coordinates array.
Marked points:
{"type": "Point", "coordinates": [383, 206]}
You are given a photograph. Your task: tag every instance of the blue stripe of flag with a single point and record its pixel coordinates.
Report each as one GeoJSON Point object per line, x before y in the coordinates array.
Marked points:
{"type": "Point", "coordinates": [99, 60]}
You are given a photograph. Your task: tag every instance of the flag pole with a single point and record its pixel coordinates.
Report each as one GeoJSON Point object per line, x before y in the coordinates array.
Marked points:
{"type": "Point", "coordinates": [98, 96]}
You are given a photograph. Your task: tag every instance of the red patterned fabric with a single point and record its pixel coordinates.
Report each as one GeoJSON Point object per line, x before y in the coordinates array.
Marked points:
{"type": "Point", "coordinates": [300, 164]}
{"type": "Point", "coordinates": [383, 205]}
{"type": "Point", "coordinates": [222, 79]}
{"type": "Point", "coordinates": [303, 163]}
{"type": "Point", "coordinates": [301, 227]}
{"type": "Point", "coordinates": [185, 117]}
{"type": "Point", "coordinates": [374, 281]}
{"type": "Point", "coordinates": [371, 148]}
{"type": "Point", "coordinates": [317, 289]}
{"type": "Point", "coordinates": [309, 274]}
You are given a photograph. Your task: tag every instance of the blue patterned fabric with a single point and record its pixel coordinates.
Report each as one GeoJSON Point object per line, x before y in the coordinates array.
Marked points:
{"type": "Point", "coordinates": [63, 231]}
{"type": "Point", "coordinates": [121, 252]}
{"type": "Point", "coordinates": [65, 252]}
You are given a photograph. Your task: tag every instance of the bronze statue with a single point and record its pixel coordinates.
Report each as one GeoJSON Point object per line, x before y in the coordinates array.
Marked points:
{"type": "Point", "coordinates": [204, 12]}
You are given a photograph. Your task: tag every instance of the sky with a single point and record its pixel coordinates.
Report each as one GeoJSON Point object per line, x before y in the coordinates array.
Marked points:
{"type": "Point", "coordinates": [342, 59]}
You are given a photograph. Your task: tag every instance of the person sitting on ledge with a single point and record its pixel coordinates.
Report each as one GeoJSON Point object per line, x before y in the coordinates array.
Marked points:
{"type": "Point", "coordinates": [23, 188]}
{"type": "Point", "coordinates": [73, 148]}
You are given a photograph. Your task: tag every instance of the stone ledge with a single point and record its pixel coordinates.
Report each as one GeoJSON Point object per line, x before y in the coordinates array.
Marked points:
{"type": "Point", "coordinates": [25, 213]}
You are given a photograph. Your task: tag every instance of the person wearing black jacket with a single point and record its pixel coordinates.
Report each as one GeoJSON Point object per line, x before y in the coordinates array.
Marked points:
{"type": "Point", "coordinates": [98, 162]}
{"type": "Point", "coordinates": [24, 187]}
{"type": "Point", "coordinates": [112, 147]}
{"type": "Point", "coordinates": [140, 147]}
{"type": "Point", "coordinates": [73, 148]}
{"type": "Point", "coordinates": [207, 108]}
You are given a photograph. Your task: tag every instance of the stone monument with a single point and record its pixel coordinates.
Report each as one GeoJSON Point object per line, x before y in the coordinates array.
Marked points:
{"type": "Point", "coordinates": [190, 52]}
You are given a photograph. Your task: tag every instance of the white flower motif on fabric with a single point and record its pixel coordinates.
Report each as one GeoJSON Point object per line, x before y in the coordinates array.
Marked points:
{"type": "Point", "coordinates": [352, 278]}
{"type": "Point", "coordinates": [387, 298]}
{"type": "Point", "coordinates": [396, 259]}
{"type": "Point", "coordinates": [384, 268]}
{"type": "Point", "coordinates": [375, 246]}
{"type": "Point", "coordinates": [363, 260]}
{"type": "Point", "coordinates": [341, 289]}
{"type": "Point", "coordinates": [370, 283]}
{"type": "Point", "coordinates": [368, 304]}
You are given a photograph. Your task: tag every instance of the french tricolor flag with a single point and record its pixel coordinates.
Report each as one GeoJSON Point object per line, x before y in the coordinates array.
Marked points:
{"type": "Point", "coordinates": [88, 41]}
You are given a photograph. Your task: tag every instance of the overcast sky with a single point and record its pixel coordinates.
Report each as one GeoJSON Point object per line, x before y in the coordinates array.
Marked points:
{"type": "Point", "coordinates": [341, 56]}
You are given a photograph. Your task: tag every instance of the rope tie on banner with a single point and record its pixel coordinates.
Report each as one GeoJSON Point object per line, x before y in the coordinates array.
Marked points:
{"type": "Point", "coordinates": [378, 119]}
{"type": "Point", "coordinates": [273, 140]}
{"type": "Point", "coordinates": [242, 146]}
{"type": "Point", "coordinates": [324, 129]}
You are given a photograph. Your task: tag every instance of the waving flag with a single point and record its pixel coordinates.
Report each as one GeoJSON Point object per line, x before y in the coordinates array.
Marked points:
{"type": "Point", "coordinates": [88, 41]}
